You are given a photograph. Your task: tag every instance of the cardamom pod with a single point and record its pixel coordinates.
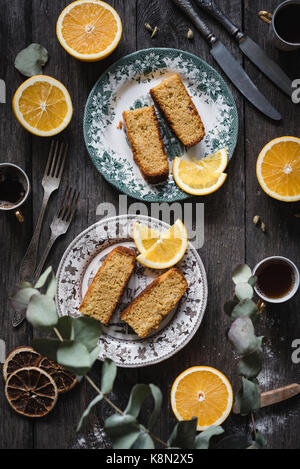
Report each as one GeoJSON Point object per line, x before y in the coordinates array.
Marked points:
{"type": "Point", "coordinates": [148, 27]}
{"type": "Point", "coordinates": [256, 219]}
{"type": "Point", "coordinates": [155, 31]}
{"type": "Point", "coordinates": [190, 34]}
{"type": "Point", "coordinates": [263, 227]}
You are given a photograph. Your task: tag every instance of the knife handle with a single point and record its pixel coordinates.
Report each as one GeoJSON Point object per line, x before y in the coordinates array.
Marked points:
{"type": "Point", "coordinates": [187, 7]}
{"type": "Point", "coordinates": [214, 10]}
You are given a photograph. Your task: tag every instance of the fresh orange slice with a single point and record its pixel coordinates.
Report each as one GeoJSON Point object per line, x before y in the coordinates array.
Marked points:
{"type": "Point", "coordinates": [43, 106]}
{"type": "Point", "coordinates": [202, 392]}
{"type": "Point", "coordinates": [278, 169]}
{"type": "Point", "coordinates": [89, 30]}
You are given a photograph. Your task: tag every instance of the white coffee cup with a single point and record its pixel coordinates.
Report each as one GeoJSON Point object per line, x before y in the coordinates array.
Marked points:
{"type": "Point", "coordinates": [293, 289]}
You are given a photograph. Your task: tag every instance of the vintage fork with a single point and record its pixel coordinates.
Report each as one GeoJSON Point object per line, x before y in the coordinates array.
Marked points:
{"type": "Point", "coordinates": [50, 182]}
{"type": "Point", "coordinates": [59, 227]}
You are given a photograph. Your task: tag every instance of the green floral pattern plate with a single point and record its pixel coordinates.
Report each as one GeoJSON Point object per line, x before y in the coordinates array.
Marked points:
{"type": "Point", "coordinates": [125, 85]}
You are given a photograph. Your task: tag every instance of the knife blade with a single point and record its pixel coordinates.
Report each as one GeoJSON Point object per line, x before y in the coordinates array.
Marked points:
{"type": "Point", "coordinates": [229, 65]}
{"type": "Point", "coordinates": [252, 50]}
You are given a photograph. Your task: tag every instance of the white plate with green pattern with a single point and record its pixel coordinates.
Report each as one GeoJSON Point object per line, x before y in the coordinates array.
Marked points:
{"type": "Point", "coordinates": [125, 85]}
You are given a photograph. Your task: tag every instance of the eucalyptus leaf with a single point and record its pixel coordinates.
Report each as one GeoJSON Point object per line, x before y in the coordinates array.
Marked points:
{"type": "Point", "coordinates": [144, 441]}
{"type": "Point", "coordinates": [202, 441]}
{"type": "Point", "coordinates": [87, 331]}
{"type": "Point", "coordinates": [138, 395]}
{"type": "Point", "coordinates": [65, 327]}
{"type": "Point", "coordinates": [123, 430]}
{"type": "Point", "coordinates": [242, 274]}
{"type": "Point", "coordinates": [244, 291]}
{"type": "Point", "coordinates": [41, 312]}
{"type": "Point", "coordinates": [43, 278]}
{"type": "Point", "coordinates": [259, 442]}
{"type": "Point", "coordinates": [75, 357]}
{"type": "Point", "coordinates": [22, 298]}
{"type": "Point", "coordinates": [245, 308]}
{"type": "Point", "coordinates": [242, 336]}
{"type": "Point", "coordinates": [252, 281]}
{"type": "Point", "coordinates": [87, 411]}
{"type": "Point", "coordinates": [30, 61]}
{"type": "Point", "coordinates": [47, 347]}
{"type": "Point", "coordinates": [94, 354]}
{"type": "Point", "coordinates": [248, 398]}
{"type": "Point", "coordinates": [184, 434]}
{"type": "Point", "coordinates": [51, 289]}
{"type": "Point", "coordinates": [109, 373]}
{"type": "Point", "coordinates": [251, 365]}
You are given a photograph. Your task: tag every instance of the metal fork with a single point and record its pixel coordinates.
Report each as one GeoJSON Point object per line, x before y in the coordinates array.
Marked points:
{"type": "Point", "coordinates": [59, 227]}
{"type": "Point", "coordinates": [60, 224]}
{"type": "Point", "coordinates": [50, 182]}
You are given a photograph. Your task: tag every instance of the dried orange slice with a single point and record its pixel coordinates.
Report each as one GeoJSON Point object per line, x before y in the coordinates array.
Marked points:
{"type": "Point", "coordinates": [278, 169]}
{"type": "Point", "coordinates": [202, 392]}
{"type": "Point", "coordinates": [89, 30]}
{"type": "Point", "coordinates": [21, 357]}
{"type": "Point", "coordinates": [43, 106]}
{"type": "Point", "coordinates": [64, 380]}
{"type": "Point", "coordinates": [31, 392]}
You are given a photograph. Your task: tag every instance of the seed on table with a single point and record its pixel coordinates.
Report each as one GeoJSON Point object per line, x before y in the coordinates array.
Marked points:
{"type": "Point", "coordinates": [190, 34]}
{"type": "Point", "coordinates": [149, 27]}
{"type": "Point", "coordinates": [256, 219]}
{"type": "Point", "coordinates": [155, 31]}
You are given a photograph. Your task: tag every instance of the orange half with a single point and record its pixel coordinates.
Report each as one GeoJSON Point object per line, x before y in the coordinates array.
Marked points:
{"type": "Point", "coordinates": [202, 392]}
{"type": "Point", "coordinates": [89, 30]}
{"type": "Point", "coordinates": [278, 169]}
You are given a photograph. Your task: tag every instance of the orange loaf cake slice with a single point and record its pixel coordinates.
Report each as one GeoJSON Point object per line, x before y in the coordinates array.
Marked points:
{"type": "Point", "coordinates": [108, 285]}
{"type": "Point", "coordinates": [175, 103]}
{"type": "Point", "coordinates": [146, 144]}
{"type": "Point", "coordinates": [147, 311]}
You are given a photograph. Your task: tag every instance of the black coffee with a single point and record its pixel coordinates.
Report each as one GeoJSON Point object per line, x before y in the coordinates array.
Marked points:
{"type": "Point", "coordinates": [12, 190]}
{"type": "Point", "coordinates": [275, 279]}
{"type": "Point", "coordinates": [287, 23]}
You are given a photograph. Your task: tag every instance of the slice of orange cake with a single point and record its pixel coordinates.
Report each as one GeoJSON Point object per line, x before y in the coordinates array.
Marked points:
{"type": "Point", "coordinates": [175, 103]}
{"type": "Point", "coordinates": [147, 311]}
{"type": "Point", "coordinates": [108, 285]}
{"type": "Point", "coordinates": [146, 144]}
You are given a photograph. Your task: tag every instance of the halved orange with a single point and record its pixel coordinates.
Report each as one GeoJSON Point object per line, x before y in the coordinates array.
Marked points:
{"type": "Point", "coordinates": [43, 106]}
{"type": "Point", "coordinates": [278, 169]}
{"type": "Point", "coordinates": [202, 392]}
{"type": "Point", "coordinates": [89, 30]}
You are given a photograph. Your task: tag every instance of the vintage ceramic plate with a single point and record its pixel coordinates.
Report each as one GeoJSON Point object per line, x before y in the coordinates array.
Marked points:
{"type": "Point", "coordinates": [79, 265]}
{"type": "Point", "coordinates": [126, 85]}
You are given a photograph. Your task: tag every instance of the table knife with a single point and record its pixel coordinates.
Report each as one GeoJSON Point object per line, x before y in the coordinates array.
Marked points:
{"type": "Point", "coordinates": [229, 65]}
{"type": "Point", "coordinates": [276, 396]}
{"type": "Point", "coordinates": [252, 50]}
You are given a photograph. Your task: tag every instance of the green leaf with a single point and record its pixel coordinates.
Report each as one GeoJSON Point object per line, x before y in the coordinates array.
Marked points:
{"type": "Point", "coordinates": [87, 331]}
{"type": "Point", "coordinates": [94, 355]}
{"type": "Point", "coordinates": [75, 357]}
{"type": "Point", "coordinates": [109, 373]}
{"type": "Point", "coordinates": [41, 312]}
{"type": "Point", "coordinates": [51, 289]}
{"type": "Point", "coordinates": [22, 298]}
{"type": "Point", "coordinates": [158, 398]}
{"type": "Point", "coordinates": [65, 327]}
{"type": "Point", "coordinates": [242, 336]}
{"type": "Point", "coordinates": [47, 347]}
{"type": "Point", "coordinates": [248, 398]}
{"type": "Point", "coordinates": [30, 61]}
{"type": "Point", "coordinates": [242, 274]}
{"type": "Point", "coordinates": [244, 291]}
{"type": "Point", "coordinates": [202, 441]}
{"type": "Point", "coordinates": [43, 278]}
{"type": "Point", "coordinates": [138, 395]}
{"type": "Point", "coordinates": [87, 411]}
{"type": "Point", "coordinates": [251, 365]}
{"type": "Point", "coordinates": [123, 430]}
{"type": "Point", "coordinates": [184, 434]}
{"type": "Point", "coordinates": [245, 308]}
{"type": "Point", "coordinates": [252, 281]}
{"type": "Point", "coordinates": [144, 441]}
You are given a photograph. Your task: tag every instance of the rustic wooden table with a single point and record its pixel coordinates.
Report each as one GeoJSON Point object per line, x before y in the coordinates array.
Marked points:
{"type": "Point", "coordinates": [230, 236]}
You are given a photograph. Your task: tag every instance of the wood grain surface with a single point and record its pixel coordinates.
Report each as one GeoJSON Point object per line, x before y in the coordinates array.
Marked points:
{"type": "Point", "coordinates": [230, 235]}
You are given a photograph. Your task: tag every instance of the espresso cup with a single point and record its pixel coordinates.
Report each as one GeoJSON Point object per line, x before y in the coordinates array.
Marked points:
{"type": "Point", "coordinates": [277, 279]}
{"type": "Point", "coordinates": [284, 25]}
{"type": "Point", "coordinates": [14, 189]}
